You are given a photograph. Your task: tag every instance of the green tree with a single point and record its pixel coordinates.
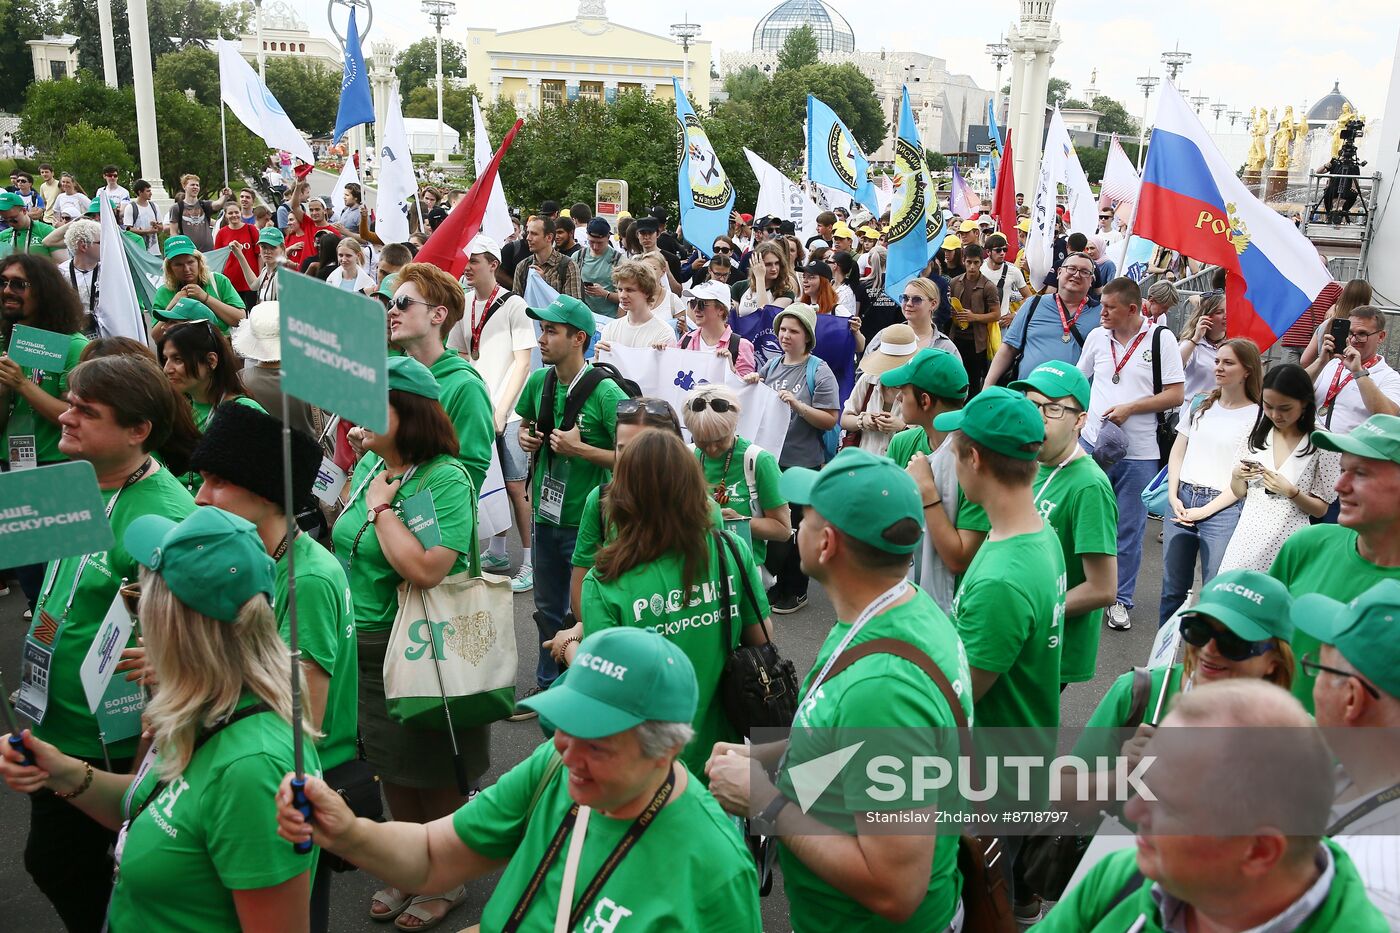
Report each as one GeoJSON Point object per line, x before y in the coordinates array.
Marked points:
{"type": "Point", "coordinates": [86, 149]}
{"type": "Point", "coordinates": [456, 106]}
{"type": "Point", "coordinates": [50, 108]}
{"type": "Point", "coordinates": [799, 50]}
{"type": "Point", "coordinates": [308, 90]}
{"type": "Point", "coordinates": [1073, 103]}
{"type": "Point", "coordinates": [173, 24]}
{"type": "Point", "coordinates": [194, 67]}
{"type": "Point", "coordinates": [1116, 118]}
{"type": "Point", "coordinates": [1092, 161]}
{"type": "Point", "coordinates": [937, 161]}
{"type": "Point", "coordinates": [746, 84]}
{"type": "Point", "coordinates": [416, 65]}
{"type": "Point", "coordinates": [1056, 91]}
{"type": "Point", "coordinates": [20, 21]}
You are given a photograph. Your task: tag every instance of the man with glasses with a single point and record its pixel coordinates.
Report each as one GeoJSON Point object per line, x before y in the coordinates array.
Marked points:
{"type": "Point", "coordinates": [22, 234]}
{"type": "Point", "coordinates": [24, 187]}
{"type": "Point", "coordinates": [1049, 327]}
{"type": "Point", "coordinates": [1354, 382]}
{"type": "Point", "coordinates": [112, 191]}
{"type": "Point", "coordinates": [1357, 687]}
{"type": "Point", "coordinates": [1003, 275]}
{"type": "Point", "coordinates": [1344, 560]}
{"type": "Point", "coordinates": [595, 268]}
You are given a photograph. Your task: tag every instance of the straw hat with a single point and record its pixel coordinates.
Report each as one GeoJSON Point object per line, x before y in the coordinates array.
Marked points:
{"type": "Point", "coordinates": [898, 343]}
{"type": "Point", "coordinates": [257, 337]}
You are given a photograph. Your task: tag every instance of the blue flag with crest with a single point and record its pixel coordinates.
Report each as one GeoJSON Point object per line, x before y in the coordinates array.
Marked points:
{"type": "Point", "coordinates": [993, 137]}
{"type": "Point", "coordinates": [706, 194]}
{"type": "Point", "coordinates": [834, 159]}
{"type": "Point", "coordinates": [912, 232]}
{"type": "Point", "coordinates": [356, 102]}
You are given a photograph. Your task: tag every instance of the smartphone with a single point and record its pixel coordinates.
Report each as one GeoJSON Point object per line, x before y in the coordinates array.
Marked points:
{"type": "Point", "coordinates": [1254, 465]}
{"type": "Point", "coordinates": [1341, 330]}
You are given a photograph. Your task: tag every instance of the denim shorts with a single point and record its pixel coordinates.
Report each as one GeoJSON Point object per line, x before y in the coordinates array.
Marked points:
{"type": "Point", "coordinates": [515, 465]}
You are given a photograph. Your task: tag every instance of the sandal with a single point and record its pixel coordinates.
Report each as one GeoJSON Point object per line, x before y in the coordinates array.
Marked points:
{"type": "Point", "coordinates": [384, 897]}
{"type": "Point", "coordinates": [427, 921]}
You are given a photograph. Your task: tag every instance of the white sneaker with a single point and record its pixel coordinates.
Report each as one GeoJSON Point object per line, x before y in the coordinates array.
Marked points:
{"type": "Point", "coordinates": [523, 581]}
{"type": "Point", "coordinates": [494, 562]}
{"type": "Point", "coordinates": [4, 590]}
{"type": "Point", "coordinates": [1117, 617]}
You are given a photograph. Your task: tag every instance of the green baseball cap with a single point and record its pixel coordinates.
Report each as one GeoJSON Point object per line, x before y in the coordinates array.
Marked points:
{"type": "Point", "coordinates": [387, 287]}
{"type": "Point", "coordinates": [937, 372]}
{"type": "Point", "coordinates": [9, 200]}
{"type": "Point", "coordinates": [1376, 438]}
{"type": "Point", "coordinates": [1363, 630]}
{"type": "Point", "coordinates": [186, 309]}
{"type": "Point", "coordinates": [179, 246]}
{"type": "Point", "coordinates": [619, 678]}
{"type": "Point", "coordinates": [408, 375]}
{"type": "Point", "coordinates": [998, 418]}
{"type": "Point", "coordinates": [1251, 604]}
{"type": "Point", "coordinates": [213, 561]}
{"type": "Point", "coordinates": [863, 495]}
{"type": "Point", "coordinates": [271, 236]}
{"type": "Point", "coordinates": [1057, 380]}
{"type": "Point", "coordinates": [95, 207]}
{"type": "Point", "coordinates": [566, 310]}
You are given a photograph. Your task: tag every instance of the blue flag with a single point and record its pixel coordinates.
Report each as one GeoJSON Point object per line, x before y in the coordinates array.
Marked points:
{"type": "Point", "coordinates": [834, 159]}
{"type": "Point", "coordinates": [835, 343]}
{"type": "Point", "coordinates": [911, 232]}
{"type": "Point", "coordinates": [706, 195]}
{"type": "Point", "coordinates": [356, 103]}
{"type": "Point", "coordinates": [993, 137]}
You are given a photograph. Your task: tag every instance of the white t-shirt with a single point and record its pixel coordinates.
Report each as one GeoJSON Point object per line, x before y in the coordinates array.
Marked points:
{"type": "Point", "coordinates": [146, 217]}
{"type": "Point", "coordinates": [1373, 844]}
{"type": "Point", "coordinates": [846, 301]}
{"type": "Point", "coordinates": [362, 280]}
{"type": "Point", "coordinates": [623, 333]}
{"type": "Point", "coordinates": [1015, 280]}
{"type": "Point", "coordinates": [118, 195]}
{"type": "Point", "coordinates": [1214, 440]}
{"type": "Point", "coordinates": [1097, 363]}
{"type": "Point", "coordinates": [1350, 409]}
{"type": "Point", "coordinates": [1200, 369]}
{"type": "Point", "coordinates": [84, 282]}
{"type": "Point", "coordinates": [70, 206]}
{"type": "Point", "coordinates": [506, 331]}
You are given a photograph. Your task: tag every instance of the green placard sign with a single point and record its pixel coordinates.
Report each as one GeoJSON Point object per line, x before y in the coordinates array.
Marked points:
{"type": "Point", "coordinates": [334, 349]}
{"type": "Point", "coordinates": [51, 512]}
{"type": "Point", "coordinates": [39, 349]}
{"type": "Point", "coordinates": [420, 515]}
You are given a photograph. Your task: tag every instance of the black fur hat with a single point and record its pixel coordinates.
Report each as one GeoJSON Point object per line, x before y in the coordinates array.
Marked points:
{"type": "Point", "coordinates": [244, 446]}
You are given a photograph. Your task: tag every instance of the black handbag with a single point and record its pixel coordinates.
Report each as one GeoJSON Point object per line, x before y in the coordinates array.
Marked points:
{"type": "Point", "coordinates": [1166, 420]}
{"type": "Point", "coordinates": [358, 785]}
{"type": "Point", "coordinates": [757, 687]}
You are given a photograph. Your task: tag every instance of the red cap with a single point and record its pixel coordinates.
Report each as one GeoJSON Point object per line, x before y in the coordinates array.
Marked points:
{"type": "Point", "coordinates": [746, 218]}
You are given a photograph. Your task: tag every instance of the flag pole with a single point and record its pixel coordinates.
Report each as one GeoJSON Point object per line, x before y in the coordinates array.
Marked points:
{"type": "Point", "coordinates": [223, 132]}
{"type": "Point", "coordinates": [299, 799]}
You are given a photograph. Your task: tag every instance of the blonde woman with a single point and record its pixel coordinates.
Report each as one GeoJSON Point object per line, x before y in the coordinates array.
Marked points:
{"type": "Point", "coordinates": [222, 727]}
{"type": "Point", "coordinates": [770, 280]}
{"type": "Point", "coordinates": [919, 303]}
{"type": "Point", "coordinates": [1355, 294]}
{"type": "Point", "coordinates": [349, 273]}
{"type": "Point", "coordinates": [187, 275]}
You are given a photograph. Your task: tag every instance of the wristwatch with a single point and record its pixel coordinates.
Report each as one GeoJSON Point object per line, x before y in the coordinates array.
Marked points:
{"type": "Point", "coordinates": [374, 512]}
{"type": "Point", "coordinates": [1364, 374]}
{"type": "Point", "coordinates": [766, 823]}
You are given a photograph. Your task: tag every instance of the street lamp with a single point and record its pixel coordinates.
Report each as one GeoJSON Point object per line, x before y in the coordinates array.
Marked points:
{"type": "Point", "coordinates": [685, 33]}
{"type": "Point", "coordinates": [439, 11]}
{"type": "Point", "coordinates": [1175, 60]}
{"type": "Point", "coordinates": [1147, 82]}
{"type": "Point", "coordinates": [1001, 54]}
{"type": "Point", "coordinates": [1234, 115]}
{"type": "Point", "coordinates": [1200, 101]}
{"type": "Point", "coordinates": [1218, 108]}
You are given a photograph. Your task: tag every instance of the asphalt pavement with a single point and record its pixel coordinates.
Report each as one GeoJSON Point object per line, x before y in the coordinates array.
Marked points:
{"type": "Point", "coordinates": [798, 636]}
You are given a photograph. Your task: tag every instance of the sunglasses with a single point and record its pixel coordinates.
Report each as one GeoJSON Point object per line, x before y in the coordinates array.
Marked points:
{"type": "Point", "coordinates": [723, 249]}
{"type": "Point", "coordinates": [1312, 667]}
{"type": "Point", "coordinates": [403, 301]}
{"type": "Point", "coordinates": [10, 283]}
{"type": "Point", "coordinates": [657, 408]}
{"type": "Point", "coordinates": [1197, 632]}
{"type": "Point", "coordinates": [720, 405]}
{"type": "Point", "coordinates": [996, 249]}
{"type": "Point", "coordinates": [912, 299]}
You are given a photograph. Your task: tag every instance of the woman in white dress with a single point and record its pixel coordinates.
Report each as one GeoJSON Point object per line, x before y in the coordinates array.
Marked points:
{"type": "Point", "coordinates": [1283, 479]}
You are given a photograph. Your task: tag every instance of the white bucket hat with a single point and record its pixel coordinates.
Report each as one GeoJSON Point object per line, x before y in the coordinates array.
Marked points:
{"type": "Point", "coordinates": [258, 336]}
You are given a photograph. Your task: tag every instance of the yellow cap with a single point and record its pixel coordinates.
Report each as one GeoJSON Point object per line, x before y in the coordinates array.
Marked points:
{"type": "Point", "coordinates": [967, 226]}
{"type": "Point", "coordinates": [1024, 225]}
{"type": "Point", "coordinates": [951, 241]}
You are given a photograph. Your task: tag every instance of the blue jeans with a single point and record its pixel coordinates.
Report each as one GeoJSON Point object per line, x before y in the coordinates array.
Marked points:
{"type": "Point", "coordinates": [1129, 479]}
{"type": "Point", "coordinates": [553, 550]}
{"type": "Point", "coordinates": [1181, 544]}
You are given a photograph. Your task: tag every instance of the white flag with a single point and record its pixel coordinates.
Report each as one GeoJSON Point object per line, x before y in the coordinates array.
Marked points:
{"type": "Point", "coordinates": [1083, 209]}
{"type": "Point", "coordinates": [118, 311]}
{"type": "Point", "coordinates": [397, 183]}
{"type": "Point", "coordinates": [779, 196]}
{"type": "Point", "coordinates": [1120, 179]}
{"type": "Point", "coordinates": [253, 104]}
{"type": "Point", "coordinates": [348, 175]}
{"type": "Point", "coordinates": [1040, 245]}
{"type": "Point", "coordinates": [496, 223]}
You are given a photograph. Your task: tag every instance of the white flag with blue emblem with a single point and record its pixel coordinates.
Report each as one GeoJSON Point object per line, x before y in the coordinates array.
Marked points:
{"type": "Point", "coordinates": [706, 195]}
{"type": "Point", "coordinates": [253, 104]}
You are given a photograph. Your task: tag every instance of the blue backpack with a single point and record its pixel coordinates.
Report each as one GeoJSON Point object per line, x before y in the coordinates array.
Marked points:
{"type": "Point", "coordinates": [831, 437]}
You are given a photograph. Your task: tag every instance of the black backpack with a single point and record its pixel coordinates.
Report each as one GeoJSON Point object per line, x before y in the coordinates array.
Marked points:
{"type": "Point", "coordinates": [578, 396]}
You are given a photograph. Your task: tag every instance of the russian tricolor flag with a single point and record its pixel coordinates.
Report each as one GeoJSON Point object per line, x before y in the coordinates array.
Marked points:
{"type": "Point", "coordinates": [1192, 201]}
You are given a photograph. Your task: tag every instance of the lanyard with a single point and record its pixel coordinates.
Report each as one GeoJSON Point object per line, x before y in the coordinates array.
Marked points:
{"type": "Point", "coordinates": [1338, 383]}
{"type": "Point", "coordinates": [355, 494]}
{"type": "Point", "coordinates": [879, 605]}
{"type": "Point", "coordinates": [721, 494]}
{"type": "Point", "coordinates": [1369, 805]}
{"type": "Point", "coordinates": [1056, 472]}
{"type": "Point", "coordinates": [135, 477]}
{"type": "Point", "coordinates": [479, 326]}
{"type": "Point", "coordinates": [624, 845]}
{"type": "Point", "coordinates": [92, 284]}
{"type": "Point", "coordinates": [1118, 366]}
{"type": "Point", "coordinates": [1068, 322]}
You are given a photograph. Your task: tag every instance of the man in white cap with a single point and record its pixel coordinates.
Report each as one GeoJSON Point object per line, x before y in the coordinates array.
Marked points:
{"type": "Point", "coordinates": [497, 336]}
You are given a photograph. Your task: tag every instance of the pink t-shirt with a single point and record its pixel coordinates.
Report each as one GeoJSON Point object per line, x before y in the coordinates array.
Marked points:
{"type": "Point", "coordinates": [743, 363]}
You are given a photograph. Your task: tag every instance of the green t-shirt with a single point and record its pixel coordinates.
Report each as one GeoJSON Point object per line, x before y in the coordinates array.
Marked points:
{"type": "Point", "coordinates": [766, 473]}
{"type": "Point", "coordinates": [689, 870]}
{"type": "Point", "coordinates": [1010, 612]}
{"type": "Point", "coordinates": [468, 406]}
{"type": "Point", "coordinates": [870, 700]}
{"type": "Point", "coordinates": [1089, 907]}
{"type": "Point", "coordinates": [209, 833]}
{"type": "Point", "coordinates": [597, 424]}
{"type": "Point", "coordinates": [1079, 504]}
{"type": "Point", "coordinates": [28, 242]}
{"type": "Point", "coordinates": [68, 723]}
{"type": "Point", "coordinates": [1323, 559]}
{"type": "Point", "coordinates": [218, 285]}
{"type": "Point", "coordinates": [203, 411]}
{"type": "Point", "coordinates": [25, 420]}
{"type": "Point", "coordinates": [326, 633]}
{"type": "Point", "coordinates": [373, 580]}
{"type": "Point", "coordinates": [907, 443]}
{"type": "Point", "coordinates": [650, 596]}
{"type": "Point", "coordinates": [591, 537]}
{"type": "Point", "coordinates": [1113, 711]}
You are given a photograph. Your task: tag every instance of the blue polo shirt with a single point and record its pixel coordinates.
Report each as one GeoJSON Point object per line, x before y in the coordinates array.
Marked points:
{"type": "Point", "coordinates": [1041, 335]}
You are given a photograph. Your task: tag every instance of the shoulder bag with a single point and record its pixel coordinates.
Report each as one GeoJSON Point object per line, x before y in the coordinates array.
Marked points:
{"type": "Point", "coordinates": [1166, 420]}
{"type": "Point", "coordinates": [758, 687]}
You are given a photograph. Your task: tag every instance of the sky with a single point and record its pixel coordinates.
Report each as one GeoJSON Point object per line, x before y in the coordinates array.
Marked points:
{"type": "Point", "coordinates": [1245, 53]}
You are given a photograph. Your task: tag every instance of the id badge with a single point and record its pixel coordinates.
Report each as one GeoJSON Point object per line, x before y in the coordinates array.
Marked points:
{"type": "Point", "coordinates": [740, 527]}
{"type": "Point", "coordinates": [552, 488]}
{"type": "Point", "coordinates": [24, 452]}
{"type": "Point", "coordinates": [33, 699]}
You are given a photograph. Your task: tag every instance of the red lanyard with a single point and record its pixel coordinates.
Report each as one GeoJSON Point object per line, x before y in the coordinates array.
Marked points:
{"type": "Point", "coordinates": [479, 326]}
{"type": "Point", "coordinates": [1338, 383]}
{"type": "Point", "coordinates": [1068, 322]}
{"type": "Point", "coordinates": [1117, 366]}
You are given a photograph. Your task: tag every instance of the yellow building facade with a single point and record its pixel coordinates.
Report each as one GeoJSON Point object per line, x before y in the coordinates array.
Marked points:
{"type": "Point", "coordinates": [586, 58]}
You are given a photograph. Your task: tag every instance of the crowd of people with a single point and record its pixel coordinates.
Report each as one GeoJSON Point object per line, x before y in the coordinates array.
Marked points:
{"type": "Point", "coordinates": [974, 508]}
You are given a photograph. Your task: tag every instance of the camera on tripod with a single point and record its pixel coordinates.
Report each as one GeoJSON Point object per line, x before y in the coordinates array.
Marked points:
{"type": "Point", "coordinates": [1353, 131]}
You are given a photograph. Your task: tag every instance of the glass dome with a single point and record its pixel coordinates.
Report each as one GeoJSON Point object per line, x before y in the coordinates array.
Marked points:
{"type": "Point", "coordinates": [1329, 108]}
{"type": "Point", "coordinates": [832, 31]}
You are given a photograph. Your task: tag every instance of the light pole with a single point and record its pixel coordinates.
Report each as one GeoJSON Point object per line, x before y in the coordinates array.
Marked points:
{"type": "Point", "coordinates": [1001, 54]}
{"type": "Point", "coordinates": [1218, 108]}
{"type": "Point", "coordinates": [685, 33]}
{"type": "Point", "coordinates": [1234, 115]}
{"type": "Point", "coordinates": [1200, 101]}
{"type": "Point", "coordinates": [440, 11]}
{"type": "Point", "coordinates": [1147, 82]}
{"type": "Point", "coordinates": [262, 58]}
{"type": "Point", "coordinates": [1175, 60]}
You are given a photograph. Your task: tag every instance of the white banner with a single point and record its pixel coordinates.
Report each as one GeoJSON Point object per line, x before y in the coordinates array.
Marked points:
{"type": "Point", "coordinates": [1079, 198]}
{"type": "Point", "coordinates": [397, 183]}
{"type": "Point", "coordinates": [349, 174]}
{"type": "Point", "coordinates": [670, 374]}
{"type": "Point", "coordinates": [253, 104]}
{"type": "Point", "coordinates": [496, 223]}
{"type": "Point", "coordinates": [779, 196]}
{"type": "Point", "coordinates": [493, 506]}
{"type": "Point", "coordinates": [118, 309]}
